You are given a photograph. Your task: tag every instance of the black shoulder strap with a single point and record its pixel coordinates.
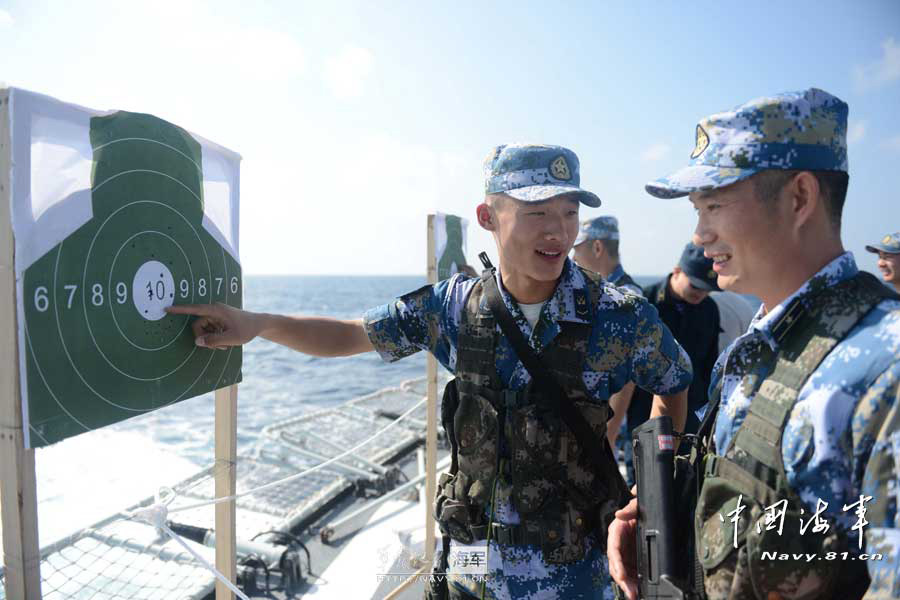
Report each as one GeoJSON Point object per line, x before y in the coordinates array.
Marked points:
{"type": "Point", "coordinates": [597, 451]}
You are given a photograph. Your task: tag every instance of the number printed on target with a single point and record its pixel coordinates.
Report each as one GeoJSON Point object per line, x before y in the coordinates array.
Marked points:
{"type": "Point", "coordinates": [98, 343]}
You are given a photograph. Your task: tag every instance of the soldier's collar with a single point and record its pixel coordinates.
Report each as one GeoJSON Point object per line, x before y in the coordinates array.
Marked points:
{"type": "Point", "coordinates": [617, 274]}
{"type": "Point", "coordinates": [570, 300]}
{"type": "Point", "coordinates": [772, 325]}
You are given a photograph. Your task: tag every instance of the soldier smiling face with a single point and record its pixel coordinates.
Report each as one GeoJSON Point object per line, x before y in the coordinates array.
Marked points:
{"type": "Point", "coordinates": [533, 240]}
{"type": "Point", "coordinates": [767, 243]}
{"type": "Point", "coordinates": [889, 265]}
{"type": "Point", "coordinates": [740, 234]}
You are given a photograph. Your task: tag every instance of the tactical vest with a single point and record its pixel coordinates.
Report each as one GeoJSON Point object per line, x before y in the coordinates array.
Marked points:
{"type": "Point", "coordinates": [517, 435]}
{"type": "Point", "coordinates": [752, 469]}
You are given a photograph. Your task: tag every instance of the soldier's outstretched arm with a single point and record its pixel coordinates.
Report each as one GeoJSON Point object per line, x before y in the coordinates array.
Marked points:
{"type": "Point", "coordinates": [220, 326]}
{"type": "Point", "coordinates": [673, 405]}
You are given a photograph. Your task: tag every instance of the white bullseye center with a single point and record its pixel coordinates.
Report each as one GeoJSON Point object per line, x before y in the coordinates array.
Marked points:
{"type": "Point", "coordinates": [152, 290]}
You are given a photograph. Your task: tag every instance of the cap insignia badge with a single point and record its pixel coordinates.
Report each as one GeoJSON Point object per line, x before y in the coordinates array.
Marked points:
{"type": "Point", "coordinates": [560, 169]}
{"type": "Point", "coordinates": [702, 142]}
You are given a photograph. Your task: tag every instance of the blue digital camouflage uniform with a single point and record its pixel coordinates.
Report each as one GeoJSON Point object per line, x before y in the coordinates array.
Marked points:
{"type": "Point", "coordinates": [627, 342]}
{"type": "Point", "coordinates": [829, 438]}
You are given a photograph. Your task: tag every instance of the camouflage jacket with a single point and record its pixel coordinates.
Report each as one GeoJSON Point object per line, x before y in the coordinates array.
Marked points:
{"type": "Point", "coordinates": [628, 342]}
{"type": "Point", "coordinates": [838, 426]}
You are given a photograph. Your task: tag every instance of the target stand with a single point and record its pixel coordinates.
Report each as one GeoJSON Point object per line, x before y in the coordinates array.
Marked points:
{"type": "Point", "coordinates": [106, 219]}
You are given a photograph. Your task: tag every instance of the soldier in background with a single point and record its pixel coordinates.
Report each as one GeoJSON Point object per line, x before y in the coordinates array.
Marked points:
{"type": "Point", "coordinates": [597, 249]}
{"type": "Point", "coordinates": [683, 302]}
{"type": "Point", "coordinates": [888, 251]}
{"type": "Point", "coordinates": [807, 430]}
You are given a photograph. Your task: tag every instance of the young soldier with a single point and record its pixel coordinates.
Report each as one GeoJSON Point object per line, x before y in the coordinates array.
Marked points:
{"type": "Point", "coordinates": [804, 452]}
{"type": "Point", "coordinates": [522, 481]}
{"type": "Point", "coordinates": [888, 251]}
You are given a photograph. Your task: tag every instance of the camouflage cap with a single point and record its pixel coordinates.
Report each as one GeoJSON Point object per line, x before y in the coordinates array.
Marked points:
{"type": "Point", "coordinates": [794, 130]}
{"type": "Point", "coordinates": [531, 173]}
{"type": "Point", "coordinates": [601, 228]}
{"type": "Point", "coordinates": [889, 243]}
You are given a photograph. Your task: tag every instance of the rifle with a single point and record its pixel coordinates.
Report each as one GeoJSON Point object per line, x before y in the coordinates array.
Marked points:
{"type": "Point", "coordinates": [665, 571]}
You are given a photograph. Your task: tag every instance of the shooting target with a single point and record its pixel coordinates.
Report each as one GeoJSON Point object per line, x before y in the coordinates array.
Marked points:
{"type": "Point", "coordinates": [99, 345]}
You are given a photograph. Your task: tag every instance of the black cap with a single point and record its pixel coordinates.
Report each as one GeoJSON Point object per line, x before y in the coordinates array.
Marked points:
{"type": "Point", "coordinates": [698, 268]}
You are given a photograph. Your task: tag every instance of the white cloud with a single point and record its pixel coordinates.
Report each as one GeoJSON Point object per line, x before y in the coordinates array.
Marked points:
{"type": "Point", "coordinates": [856, 131]}
{"type": "Point", "coordinates": [882, 71]}
{"type": "Point", "coordinates": [6, 19]}
{"type": "Point", "coordinates": [892, 143]}
{"type": "Point", "coordinates": [347, 72]}
{"type": "Point", "coordinates": [657, 151]}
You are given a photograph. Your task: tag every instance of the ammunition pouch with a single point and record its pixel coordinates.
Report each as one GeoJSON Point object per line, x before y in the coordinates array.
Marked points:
{"type": "Point", "coordinates": [560, 530]}
{"type": "Point", "coordinates": [459, 515]}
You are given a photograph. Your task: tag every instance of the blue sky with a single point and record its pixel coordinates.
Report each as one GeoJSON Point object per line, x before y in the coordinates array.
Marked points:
{"type": "Point", "coordinates": [356, 119]}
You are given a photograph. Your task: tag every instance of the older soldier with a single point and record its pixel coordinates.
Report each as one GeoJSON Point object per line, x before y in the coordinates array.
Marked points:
{"type": "Point", "coordinates": [597, 249]}
{"type": "Point", "coordinates": [526, 489]}
{"type": "Point", "coordinates": [888, 251]}
{"type": "Point", "coordinates": [805, 453]}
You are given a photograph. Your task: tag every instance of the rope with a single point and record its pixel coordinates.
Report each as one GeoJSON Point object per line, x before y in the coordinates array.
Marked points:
{"type": "Point", "coordinates": [157, 514]}
{"type": "Point", "coordinates": [309, 471]}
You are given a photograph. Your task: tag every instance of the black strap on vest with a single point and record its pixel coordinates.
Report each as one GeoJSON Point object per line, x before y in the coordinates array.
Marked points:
{"type": "Point", "coordinates": [598, 454]}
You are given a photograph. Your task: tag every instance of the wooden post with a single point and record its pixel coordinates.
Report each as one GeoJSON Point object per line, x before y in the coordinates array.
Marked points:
{"type": "Point", "coordinates": [431, 407]}
{"type": "Point", "coordinates": [18, 497]}
{"type": "Point", "coordinates": [226, 485]}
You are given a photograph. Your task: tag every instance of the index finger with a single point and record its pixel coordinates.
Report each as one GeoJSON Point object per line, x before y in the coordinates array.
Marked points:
{"type": "Point", "coordinates": [201, 310]}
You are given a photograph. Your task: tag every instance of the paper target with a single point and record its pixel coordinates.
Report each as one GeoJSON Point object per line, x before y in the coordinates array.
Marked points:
{"type": "Point", "coordinates": [450, 244]}
{"type": "Point", "coordinates": [100, 347]}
